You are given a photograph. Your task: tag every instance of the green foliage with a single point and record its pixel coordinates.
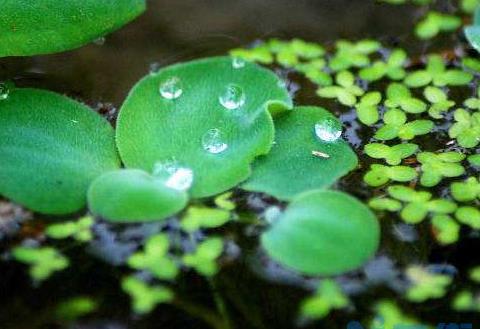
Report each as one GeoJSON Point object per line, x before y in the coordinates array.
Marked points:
{"type": "Point", "coordinates": [474, 160]}
{"type": "Point", "coordinates": [393, 155]}
{"type": "Point", "coordinates": [396, 126]}
{"type": "Point", "coordinates": [155, 258]}
{"type": "Point", "coordinates": [436, 22]}
{"type": "Point", "coordinates": [231, 123]}
{"type": "Point", "coordinates": [320, 226]}
{"type": "Point", "coordinates": [417, 204]}
{"type": "Point", "coordinates": [367, 108]}
{"type": "Point", "coordinates": [79, 230]}
{"type": "Point", "coordinates": [390, 316]}
{"type": "Point", "coordinates": [473, 103]}
{"type": "Point", "coordinates": [308, 141]}
{"type": "Point", "coordinates": [437, 166]}
{"type": "Point", "coordinates": [328, 297]}
{"type": "Point", "coordinates": [379, 174]}
{"type": "Point", "coordinates": [472, 32]}
{"type": "Point", "coordinates": [43, 261]}
{"type": "Point", "coordinates": [466, 191]}
{"type": "Point", "coordinates": [346, 91]}
{"type": "Point", "coordinates": [439, 100]}
{"type": "Point", "coordinates": [204, 258]}
{"type": "Point", "coordinates": [466, 129]}
{"type": "Point", "coordinates": [145, 297]}
{"type": "Point", "coordinates": [75, 308]}
{"type": "Point", "coordinates": [349, 54]}
{"type": "Point", "coordinates": [132, 195]}
{"type": "Point", "coordinates": [392, 68]}
{"type": "Point", "coordinates": [48, 26]}
{"type": "Point", "coordinates": [446, 229]}
{"type": "Point", "coordinates": [426, 285]}
{"type": "Point", "coordinates": [469, 216]}
{"type": "Point", "coordinates": [398, 95]}
{"type": "Point", "coordinates": [474, 274]}
{"type": "Point", "coordinates": [51, 149]}
{"type": "Point", "coordinates": [204, 217]}
{"type": "Point", "coordinates": [465, 301]}
{"type": "Point", "coordinates": [437, 73]}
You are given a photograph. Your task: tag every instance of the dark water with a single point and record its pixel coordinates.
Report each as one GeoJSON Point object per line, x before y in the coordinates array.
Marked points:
{"type": "Point", "coordinates": [257, 294]}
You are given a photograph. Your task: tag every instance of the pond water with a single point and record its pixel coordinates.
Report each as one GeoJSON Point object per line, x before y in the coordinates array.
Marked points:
{"type": "Point", "coordinates": [257, 293]}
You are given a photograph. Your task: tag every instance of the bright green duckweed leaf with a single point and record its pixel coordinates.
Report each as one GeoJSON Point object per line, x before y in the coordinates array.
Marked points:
{"type": "Point", "coordinates": [391, 68]}
{"type": "Point", "coordinates": [469, 216]}
{"type": "Point", "coordinates": [329, 296]}
{"type": "Point", "coordinates": [392, 154]}
{"type": "Point", "coordinates": [465, 301]}
{"type": "Point", "coordinates": [426, 285]}
{"type": "Point", "coordinates": [75, 308]}
{"type": "Point", "coordinates": [51, 149]}
{"type": "Point", "coordinates": [204, 217]}
{"type": "Point", "coordinates": [315, 233]}
{"type": "Point", "coordinates": [390, 316]}
{"type": "Point", "coordinates": [439, 101]}
{"type": "Point", "coordinates": [466, 129]}
{"type": "Point", "coordinates": [437, 166]}
{"type": "Point", "coordinates": [466, 191]}
{"type": "Point", "coordinates": [472, 32]}
{"type": "Point", "coordinates": [473, 103]}
{"type": "Point", "coordinates": [155, 258]}
{"type": "Point", "coordinates": [346, 91]}
{"type": "Point", "coordinates": [379, 175]}
{"type": "Point", "coordinates": [204, 258]}
{"type": "Point", "coordinates": [144, 297]}
{"type": "Point", "coordinates": [367, 108]}
{"type": "Point", "coordinates": [474, 160]}
{"type": "Point", "coordinates": [308, 141]}
{"type": "Point", "coordinates": [49, 26]}
{"type": "Point", "coordinates": [436, 22]}
{"type": "Point", "coordinates": [474, 274]}
{"type": "Point", "coordinates": [385, 204]}
{"type": "Point", "coordinates": [398, 95]}
{"type": "Point", "coordinates": [396, 125]}
{"type": "Point", "coordinates": [349, 54]}
{"type": "Point", "coordinates": [446, 229]}
{"type": "Point", "coordinates": [208, 115]}
{"type": "Point", "coordinates": [437, 73]}
{"type": "Point", "coordinates": [131, 195]}
{"type": "Point", "coordinates": [43, 261]}
{"type": "Point", "coordinates": [80, 230]}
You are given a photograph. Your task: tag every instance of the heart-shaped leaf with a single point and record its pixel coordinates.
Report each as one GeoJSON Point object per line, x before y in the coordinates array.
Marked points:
{"type": "Point", "coordinates": [51, 149]}
{"type": "Point", "coordinates": [307, 142]}
{"type": "Point", "coordinates": [133, 195]}
{"type": "Point", "coordinates": [49, 26]}
{"type": "Point", "coordinates": [209, 115]}
{"type": "Point", "coordinates": [323, 233]}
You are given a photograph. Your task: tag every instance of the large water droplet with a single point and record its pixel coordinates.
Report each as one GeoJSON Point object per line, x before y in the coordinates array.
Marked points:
{"type": "Point", "coordinates": [238, 63]}
{"type": "Point", "coordinates": [4, 91]}
{"type": "Point", "coordinates": [154, 68]}
{"type": "Point", "coordinates": [171, 88]}
{"type": "Point", "coordinates": [175, 176]}
{"type": "Point", "coordinates": [329, 130]}
{"type": "Point", "coordinates": [233, 97]}
{"type": "Point", "coordinates": [212, 141]}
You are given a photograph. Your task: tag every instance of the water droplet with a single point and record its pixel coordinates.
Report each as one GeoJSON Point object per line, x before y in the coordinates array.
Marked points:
{"type": "Point", "coordinates": [99, 41]}
{"type": "Point", "coordinates": [154, 68]}
{"type": "Point", "coordinates": [171, 88]}
{"type": "Point", "coordinates": [175, 176]}
{"type": "Point", "coordinates": [233, 97]}
{"type": "Point", "coordinates": [212, 141]}
{"type": "Point", "coordinates": [238, 63]}
{"type": "Point", "coordinates": [329, 130]}
{"type": "Point", "coordinates": [4, 91]}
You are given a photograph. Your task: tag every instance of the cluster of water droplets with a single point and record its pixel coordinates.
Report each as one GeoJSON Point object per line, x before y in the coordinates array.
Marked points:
{"type": "Point", "coordinates": [4, 91]}
{"type": "Point", "coordinates": [172, 88]}
{"type": "Point", "coordinates": [175, 176]}
{"type": "Point", "coordinates": [213, 141]}
{"type": "Point", "coordinates": [328, 130]}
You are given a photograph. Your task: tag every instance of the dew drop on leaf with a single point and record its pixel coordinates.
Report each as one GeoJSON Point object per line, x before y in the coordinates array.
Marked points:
{"type": "Point", "coordinates": [329, 130]}
{"type": "Point", "coordinates": [212, 141]}
{"type": "Point", "coordinates": [233, 97]}
{"type": "Point", "coordinates": [171, 88]}
{"type": "Point", "coordinates": [4, 91]}
{"type": "Point", "coordinates": [175, 176]}
{"type": "Point", "coordinates": [238, 63]}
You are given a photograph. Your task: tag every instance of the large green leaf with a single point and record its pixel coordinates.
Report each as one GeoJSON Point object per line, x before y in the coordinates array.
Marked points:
{"type": "Point", "coordinates": [51, 149]}
{"type": "Point", "coordinates": [37, 27]}
{"type": "Point", "coordinates": [308, 153]}
{"type": "Point", "coordinates": [472, 32]}
{"type": "Point", "coordinates": [323, 233]}
{"type": "Point", "coordinates": [133, 195]}
{"type": "Point", "coordinates": [209, 115]}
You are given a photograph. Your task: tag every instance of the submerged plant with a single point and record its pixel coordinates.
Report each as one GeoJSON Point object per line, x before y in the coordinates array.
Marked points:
{"type": "Point", "coordinates": [327, 297]}
{"type": "Point", "coordinates": [43, 261]}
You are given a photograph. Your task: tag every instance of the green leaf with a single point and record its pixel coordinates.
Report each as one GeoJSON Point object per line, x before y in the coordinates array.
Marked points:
{"type": "Point", "coordinates": [437, 166]}
{"type": "Point", "coordinates": [466, 191]}
{"type": "Point", "coordinates": [392, 154]}
{"type": "Point", "coordinates": [474, 160]}
{"type": "Point", "coordinates": [367, 108]}
{"type": "Point", "coordinates": [51, 149]}
{"type": "Point", "coordinates": [315, 233]}
{"type": "Point", "coordinates": [379, 174]}
{"type": "Point", "coordinates": [145, 297]}
{"type": "Point", "coordinates": [308, 141]}
{"type": "Point", "coordinates": [385, 204]}
{"type": "Point", "coordinates": [426, 285]}
{"type": "Point", "coordinates": [469, 216]}
{"type": "Point", "coordinates": [446, 229]}
{"type": "Point", "coordinates": [132, 195]}
{"type": "Point", "coordinates": [207, 115]}
{"type": "Point", "coordinates": [473, 36]}
{"type": "Point", "coordinates": [43, 261]}
{"type": "Point", "coordinates": [466, 129]}
{"type": "Point", "coordinates": [49, 26]}
{"type": "Point", "coordinates": [203, 217]}
{"type": "Point", "coordinates": [79, 230]}
{"type": "Point", "coordinates": [329, 296]}
{"type": "Point", "coordinates": [203, 260]}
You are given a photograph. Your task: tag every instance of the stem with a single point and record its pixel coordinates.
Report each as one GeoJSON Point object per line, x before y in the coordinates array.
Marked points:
{"type": "Point", "coordinates": [200, 312]}
{"type": "Point", "coordinates": [220, 303]}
